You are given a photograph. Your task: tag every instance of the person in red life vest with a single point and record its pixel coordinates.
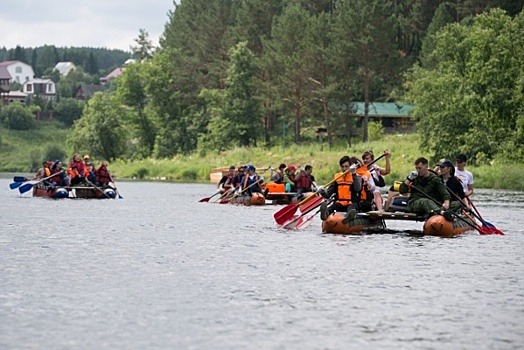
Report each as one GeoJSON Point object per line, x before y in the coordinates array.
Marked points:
{"type": "Point", "coordinates": [251, 182]}
{"type": "Point", "coordinates": [346, 186]}
{"type": "Point", "coordinates": [103, 178]}
{"type": "Point", "coordinates": [278, 176]}
{"type": "Point", "coordinates": [75, 177]}
{"type": "Point", "coordinates": [304, 181]}
{"type": "Point", "coordinates": [78, 164]}
{"type": "Point", "coordinates": [59, 178]}
{"type": "Point", "coordinates": [226, 182]}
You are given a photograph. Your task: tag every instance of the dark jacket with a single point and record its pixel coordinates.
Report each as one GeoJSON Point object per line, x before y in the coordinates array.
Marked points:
{"type": "Point", "coordinates": [431, 185]}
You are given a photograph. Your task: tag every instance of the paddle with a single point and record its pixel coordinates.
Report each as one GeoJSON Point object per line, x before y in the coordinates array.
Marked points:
{"type": "Point", "coordinates": [20, 179]}
{"type": "Point", "coordinates": [480, 229]}
{"type": "Point", "coordinates": [302, 211]}
{"type": "Point", "coordinates": [225, 194]}
{"type": "Point", "coordinates": [487, 229]}
{"type": "Point", "coordinates": [303, 221]}
{"type": "Point", "coordinates": [114, 184]}
{"type": "Point", "coordinates": [15, 185]}
{"type": "Point", "coordinates": [28, 186]}
{"type": "Point", "coordinates": [206, 199]}
{"type": "Point", "coordinates": [287, 213]}
{"type": "Point", "coordinates": [98, 188]}
{"type": "Point", "coordinates": [484, 222]}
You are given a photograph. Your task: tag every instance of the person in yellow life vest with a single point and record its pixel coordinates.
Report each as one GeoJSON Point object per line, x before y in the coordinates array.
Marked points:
{"type": "Point", "coordinates": [364, 199]}
{"type": "Point", "coordinates": [345, 187]}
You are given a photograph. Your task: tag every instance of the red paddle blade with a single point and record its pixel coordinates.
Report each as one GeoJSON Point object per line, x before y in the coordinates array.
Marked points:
{"type": "Point", "coordinates": [311, 204]}
{"type": "Point", "coordinates": [205, 199]}
{"type": "Point", "coordinates": [486, 230]}
{"type": "Point", "coordinates": [285, 214]}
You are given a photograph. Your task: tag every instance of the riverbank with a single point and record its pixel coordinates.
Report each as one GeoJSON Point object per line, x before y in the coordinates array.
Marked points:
{"type": "Point", "coordinates": [22, 150]}
{"type": "Point", "coordinates": [404, 150]}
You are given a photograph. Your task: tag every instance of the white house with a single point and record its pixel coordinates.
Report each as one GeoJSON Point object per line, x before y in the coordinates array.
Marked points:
{"type": "Point", "coordinates": [45, 88]}
{"type": "Point", "coordinates": [19, 71]}
{"type": "Point", "coordinates": [64, 68]}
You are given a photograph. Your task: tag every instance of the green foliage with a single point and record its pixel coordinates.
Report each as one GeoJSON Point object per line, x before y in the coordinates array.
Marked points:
{"type": "Point", "coordinates": [470, 101]}
{"type": "Point", "coordinates": [54, 151]}
{"type": "Point", "coordinates": [68, 110]}
{"type": "Point", "coordinates": [376, 131]}
{"type": "Point", "coordinates": [15, 116]}
{"type": "Point", "coordinates": [101, 131]}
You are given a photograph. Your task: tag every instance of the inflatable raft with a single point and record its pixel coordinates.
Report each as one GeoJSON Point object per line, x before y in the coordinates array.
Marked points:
{"type": "Point", "coordinates": [82, 192]}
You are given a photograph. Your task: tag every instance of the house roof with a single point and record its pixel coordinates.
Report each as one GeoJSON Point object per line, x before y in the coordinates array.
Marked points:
{"type": "Point", "coordinates": [115, 73]}
{"type": "Point", "coordinates": [64, 67]}
{"type": "Point", "coordinates": [381, 109]}
{"type": "Point", "coordinates": [4, 73]}
{"type": "Point", "coordinates": [8, 63]}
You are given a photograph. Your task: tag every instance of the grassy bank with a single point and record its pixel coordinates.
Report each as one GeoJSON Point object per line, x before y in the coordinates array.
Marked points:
{"type": "Point", "coordinates": [20, 151]}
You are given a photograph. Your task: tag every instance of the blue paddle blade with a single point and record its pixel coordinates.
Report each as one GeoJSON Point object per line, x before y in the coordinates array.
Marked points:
{"type": "Point", "coordinates": [24, 188]}
{"type": "Point", "coordinates": [19, 179]}
{"type": "Point", "coordinates": [15, 185]}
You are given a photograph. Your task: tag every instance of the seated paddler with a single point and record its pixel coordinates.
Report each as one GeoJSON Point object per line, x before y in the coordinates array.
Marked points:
{"type": "Point", "coordinates": [251, 181]}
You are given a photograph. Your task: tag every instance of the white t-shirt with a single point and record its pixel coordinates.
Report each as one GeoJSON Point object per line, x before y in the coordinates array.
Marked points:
{"type": "Point", "coordinates": [465, 177]}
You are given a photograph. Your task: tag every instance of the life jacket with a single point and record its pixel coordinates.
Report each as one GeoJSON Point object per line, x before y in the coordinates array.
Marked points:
{"type": "Point", "coordinates": [250, 180]}
{"type": "Point", "coordinates": [80, 166]}
{"type": "Point", "coordinates": [102, 175]}
{"type": "Point", "coordinates": [73, 173]}
{"type": "Point", "coordinates": [59, 175]}
{"type": "Point", "coordinates": [365, 195]}
{"type": "Point", "coordinates": [304, 181]}
{"type": "Point", "coordinates": [344, 188]}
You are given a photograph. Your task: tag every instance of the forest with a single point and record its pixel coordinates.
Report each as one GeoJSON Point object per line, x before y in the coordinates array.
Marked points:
{"type": "Point", "coordinates": [251, 73]}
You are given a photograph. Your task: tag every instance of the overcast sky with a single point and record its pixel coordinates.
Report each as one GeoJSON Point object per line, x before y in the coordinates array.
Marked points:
{"type": "Point", "coordinates": [112, 24]}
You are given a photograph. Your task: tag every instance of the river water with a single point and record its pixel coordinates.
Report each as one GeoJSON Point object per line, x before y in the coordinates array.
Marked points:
{"type": "Point", "coordinates": [159, 270]}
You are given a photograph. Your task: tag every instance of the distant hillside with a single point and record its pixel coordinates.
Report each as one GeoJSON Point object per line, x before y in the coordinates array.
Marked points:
{"type": "Point", "coordinates": [93, 60]}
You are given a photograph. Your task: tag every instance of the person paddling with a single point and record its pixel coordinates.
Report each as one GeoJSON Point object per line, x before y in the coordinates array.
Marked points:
{"type": "Point", "coordinates": [251, 182]}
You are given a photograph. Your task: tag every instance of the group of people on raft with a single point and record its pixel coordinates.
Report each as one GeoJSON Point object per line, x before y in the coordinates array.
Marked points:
{"type": "Point", "coordinates": [356, 188]}
{"type": "Point", "coordinates": [78, 173]}
{"type": "Point", "coordinates": [437, 191]}
{"type": "Point", "coordinates": [246, 180]}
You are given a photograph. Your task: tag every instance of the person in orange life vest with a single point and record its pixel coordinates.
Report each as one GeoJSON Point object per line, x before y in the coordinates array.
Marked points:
{"type": "Point", "coordinates": [304, 181]}
{"type": "Point", "coordinates": [87, 159]}
{"type": "Point", "coordinates": [60, 178]}
{"type": "Point", "coordinates": [44, 172]}
{"type": "Point", "coordinates": [103, 178]}
{"type": "Point", "coordinates": [78, 163]}
{"type": "Point", "coordinates": [344, 188]}
{"type": "Point", "coordinates": [226, 181]}
{"type": "Point", "coordinates": [377, 173]}
{"type": "Point", "coordinates": [89, 172]}
{"type": "Point", "coordinates": [278, 176]}
{"type": "Point", "coordinates": [364, 199]}
{"type": "Point", "coordinates": [291, 174]}
{"type": "Point", "coordinates": [251, 182]}
{"type": "Point", "coordinates": [75, 177]}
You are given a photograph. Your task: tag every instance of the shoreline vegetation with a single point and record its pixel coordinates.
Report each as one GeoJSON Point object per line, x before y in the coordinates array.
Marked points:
{"type": "Point", "coordinates": [20, 153]}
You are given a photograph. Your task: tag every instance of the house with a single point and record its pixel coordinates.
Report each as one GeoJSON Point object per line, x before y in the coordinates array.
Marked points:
{"type": "Point", "coordinates": [13, 96]}
{"type": "Point", "coordinates": [114, 74]}
{"type": "Point", "coordinates": [18, 71]}
{"type": "Point", "coordinates": [64, 68]}
{"type": "Point", "coordinates": [44, 88]}
{"type": "Point", "coordinates": [392, 115]}
{"type": "Point", "coordinates": [86, 91]}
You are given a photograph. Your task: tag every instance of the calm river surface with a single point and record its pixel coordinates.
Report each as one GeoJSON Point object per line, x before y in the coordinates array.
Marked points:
{"type": "Point", "coordinates": [159, 270]}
